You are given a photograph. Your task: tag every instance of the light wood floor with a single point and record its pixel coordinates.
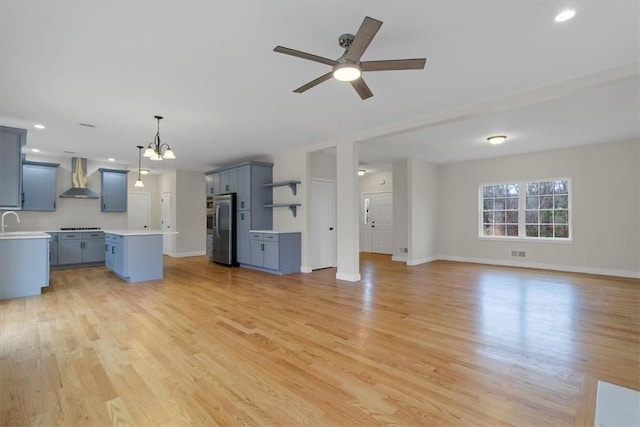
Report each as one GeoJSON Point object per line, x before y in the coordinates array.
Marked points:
{"type": "Point", "coordinates": [438, 344]}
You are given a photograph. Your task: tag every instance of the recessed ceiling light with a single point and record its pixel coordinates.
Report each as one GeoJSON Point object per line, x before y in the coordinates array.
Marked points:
{"type": "Point", "coordinates": [361, 172]}
{"type": "Point", "coordinates": [38, 126]}
{"type": "Point", "coordinates": [565, 15]}
{"type": "Point", "coordinates": [111, 159]}
{"type": "Point", "coordinates": [144, 171]}
{"type": "Point", "coordinates": [496, 139]}
{"type": "Point", "coordinates": [35, 150]}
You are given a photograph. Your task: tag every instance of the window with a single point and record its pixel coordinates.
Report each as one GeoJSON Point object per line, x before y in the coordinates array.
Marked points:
{"type": "Point", "coordinates": [533, 209]}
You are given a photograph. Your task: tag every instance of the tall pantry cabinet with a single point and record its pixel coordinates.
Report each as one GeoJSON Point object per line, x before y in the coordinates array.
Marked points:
{"type": "Point", "coordinates": [247, 180]}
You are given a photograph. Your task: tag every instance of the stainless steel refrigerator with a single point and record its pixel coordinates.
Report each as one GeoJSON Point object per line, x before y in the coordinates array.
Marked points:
{"type": "Point", "coordinates": [224, 229]}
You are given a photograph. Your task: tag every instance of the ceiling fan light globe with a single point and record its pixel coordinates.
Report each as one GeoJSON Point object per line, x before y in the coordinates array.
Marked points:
{"type": "Point", "coordinates": [346, 72]}
{"type": "Point", "coordinates": [156, 157]}
{"type": "Point", "coordinates": [168, 154]}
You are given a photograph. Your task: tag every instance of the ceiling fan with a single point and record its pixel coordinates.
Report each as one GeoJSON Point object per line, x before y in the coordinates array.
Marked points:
{"type": "Point", "coordinates": [348, 67]}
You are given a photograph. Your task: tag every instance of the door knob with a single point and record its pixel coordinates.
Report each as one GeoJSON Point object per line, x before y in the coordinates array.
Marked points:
{"type": "Point", "coordinates": [330, 228]}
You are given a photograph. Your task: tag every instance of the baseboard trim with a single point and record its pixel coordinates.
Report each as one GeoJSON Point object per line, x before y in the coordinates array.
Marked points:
{"type": "Point", "coordinates": [186, 254]}
{"type": "Point", "coordinates": [543, 266]}
{"type": "Point", "coordinates": [305, 269]}
{"type": "Point", "coordinates": [421, 260]}
{"type": "Point", "coordinates": [400, 258]}
{"type": "Point", "coordinates": [348, 277]}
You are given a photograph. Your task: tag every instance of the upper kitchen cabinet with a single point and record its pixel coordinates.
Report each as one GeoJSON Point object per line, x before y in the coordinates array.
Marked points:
{"type": "Point", "coordinates": [11, 142]}
{"type": "Point", "coordinates": [113, 190]}
{"type": "Point", "coordinates": [39, 186]}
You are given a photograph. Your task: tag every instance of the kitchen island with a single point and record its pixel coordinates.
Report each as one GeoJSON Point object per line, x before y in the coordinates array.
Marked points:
{"type": "Point", "coordinates": [24, 263]}
{"type": "Point", "coordinates": [134, 255]}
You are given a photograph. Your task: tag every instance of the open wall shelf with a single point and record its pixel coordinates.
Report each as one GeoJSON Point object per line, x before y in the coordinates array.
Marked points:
{"type": "Point", "coordinates": [292, 207]}
{"type": "Point", "coordinates": [291, 184]}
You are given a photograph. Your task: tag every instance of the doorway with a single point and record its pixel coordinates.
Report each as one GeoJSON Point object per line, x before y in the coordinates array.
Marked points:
{"type": "Point", "coordinates": [376, 223]}
{"type": "Point", "coordinates": [138, 211]}
{"type": "Point", "coordinates": [323, 218]}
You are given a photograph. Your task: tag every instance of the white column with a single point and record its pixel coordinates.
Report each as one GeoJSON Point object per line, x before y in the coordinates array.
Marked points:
{"type": "Point", "coordinates": [348, 202]}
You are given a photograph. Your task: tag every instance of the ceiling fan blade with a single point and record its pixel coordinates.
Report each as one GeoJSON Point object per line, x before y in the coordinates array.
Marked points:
{"type": "Point", "coordinates": [363, 37]}
{"type": "Point", "coordinates": [361, 87]}
{"type": "Point", "coordinates": [315, 82]}
{"type": "Point", "coordinates": [304, 55]}
{"type": "Point", "coordinates": [394, 64]}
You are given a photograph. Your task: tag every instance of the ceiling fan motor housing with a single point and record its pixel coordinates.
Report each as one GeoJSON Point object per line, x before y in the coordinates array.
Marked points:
{"type": "Point", "coordinates": [345, 40]}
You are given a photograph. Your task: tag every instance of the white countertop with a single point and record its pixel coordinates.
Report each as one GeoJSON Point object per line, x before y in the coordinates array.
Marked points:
{"type": "Point", "coordinates": [13, 235]}
{"type": "Point", "coordinates": [138, 232]}
{"type": "Point", "coordinates": [272, 231]}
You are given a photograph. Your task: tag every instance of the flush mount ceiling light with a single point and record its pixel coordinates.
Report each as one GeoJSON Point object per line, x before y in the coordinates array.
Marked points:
{"type": "Point", "coordinates": [496, 139]}
{"type": "Point", "coordinates": [139, 182]}
{"type": "Point", "coordinates": [35, 150]}
{"type": "Point", "coordinates": [111, 159]}
{"type": "Point", "coordinates": [38, 126]}
{"type": "Point", "coordinates": [156, 150]}
{"type": "Point", "coordinates": [144, 171]}
{"type": "Point", "coordinates": [565, 15]}
{"type": "Point", "coordinates": [361, 172]}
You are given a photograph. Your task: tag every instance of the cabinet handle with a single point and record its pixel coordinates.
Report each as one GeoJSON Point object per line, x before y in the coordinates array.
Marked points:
{"type": "Point", "coordinates": [112, 247]}
{"type": "Point", "coordinates": [242, 206]}
{"type": "Point", "coordinates": [262, 246]}
{"type": "Point", "coordinates": [21, 201]}
{"type": "Point", "coordinates": [54, 206]}
{"type": "Point", "coordinates": [106, 248]}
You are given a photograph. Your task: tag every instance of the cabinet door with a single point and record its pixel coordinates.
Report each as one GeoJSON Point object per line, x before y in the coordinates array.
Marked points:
{"type": "Point", "coordinates": [232, 181]}
{"type": "Point", "coordinates": [108, 257]}
{"type": "Point", "coordinates": [243, 189]}
{"type": "Point", "coordinates": [209, 181]}
{"type": "Point", "coordinates": [53, 249]}
{"type": "Point", "coordinates": [243, 246]}
{"type": "Point", "coordinates": [271, 255]}
{"type": "Point", "coordinates": [114, 191]}
{"type": "Point", "coordinates": [94, 250]}
{"type": "Point", "coordinates": [39, 187]}
{"type": "Point", "coordinates": [11, 142]}
{"type": "Point", "coordinates": [257, 251]}
{"type": "Point", "coordinates": [216, 183]}
{"type": "Point", "coordinates": [69, 252]}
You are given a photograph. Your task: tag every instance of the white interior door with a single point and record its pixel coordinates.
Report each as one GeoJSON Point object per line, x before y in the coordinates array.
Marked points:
{"type": "Point", "coordinates": [165, 223]}
{"type": "Point", "coordinates": [322, 232]}
{"type": "Point", "coordinates": [376, 223]}
{"type": "Point", "coordinates": [139, 205]}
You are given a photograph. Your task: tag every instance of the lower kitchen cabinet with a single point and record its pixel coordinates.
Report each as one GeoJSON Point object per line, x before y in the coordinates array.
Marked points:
{"type": "Point", "coordinates": [134, 257]}
{"type": "Point", "coordinates": [274, 252]}
{"type": "Point", "coordinates": [80, 248]}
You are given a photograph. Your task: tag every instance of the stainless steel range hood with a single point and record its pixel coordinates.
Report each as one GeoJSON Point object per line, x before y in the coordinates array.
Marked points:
{"type": "Point", "coordinates": [79, 180]}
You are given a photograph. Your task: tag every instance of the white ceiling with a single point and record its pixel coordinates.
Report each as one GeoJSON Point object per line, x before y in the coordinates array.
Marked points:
{"type": "Point", "coordinates": [209, 69]}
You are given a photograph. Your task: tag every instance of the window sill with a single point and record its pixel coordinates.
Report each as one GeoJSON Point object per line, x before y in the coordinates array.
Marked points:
{"type": "Point", "coordinates": [527, 239]}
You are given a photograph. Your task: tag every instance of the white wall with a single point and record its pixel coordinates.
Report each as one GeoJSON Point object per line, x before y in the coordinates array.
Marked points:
{"type": "Point", "coordinates": [323, 164]}
{"type": "Point", "coordinates": [400, 236]}
{"type": "Point", "coordinates": [422, 209]}
{"type": "Point", "coordinates": [605, 183]}
{"type": "Point", "coordinates": [376, 182]}
{"type": "Point", "coordinates": [190, 219]}
{"type": "Point", "coordinates": [72, 212]}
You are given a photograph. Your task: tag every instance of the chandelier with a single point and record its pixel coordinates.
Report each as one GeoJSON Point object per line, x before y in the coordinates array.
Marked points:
{"type": "Point", "coordinates": [156, 150]}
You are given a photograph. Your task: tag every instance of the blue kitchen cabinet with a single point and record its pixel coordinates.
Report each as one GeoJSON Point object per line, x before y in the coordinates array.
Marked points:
{"type": "Point", "coordinates": [39, 186]}
{"type": "Point", "coordinates": [113, 191]}
{"type": "Point", "coordinates": [134, 257]}
{"type": "Point", "coordinates": [11, 142]}
{"type": "Point", "coordinates": [275, 252]}
{"type": "Point", "coordinates": [80, 248]}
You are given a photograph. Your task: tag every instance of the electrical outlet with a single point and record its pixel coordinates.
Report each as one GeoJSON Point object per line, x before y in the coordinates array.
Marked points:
{"type": "Point", "coordinates": [514, 254]}
{"type": "Point", "coordinates": [522, 254]}
{"type": "Point", "coordinates": [404, 250]}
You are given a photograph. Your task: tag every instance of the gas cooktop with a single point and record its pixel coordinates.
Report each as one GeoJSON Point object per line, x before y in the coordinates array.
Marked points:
{"type": "Point", "coordinates": [78, 228]}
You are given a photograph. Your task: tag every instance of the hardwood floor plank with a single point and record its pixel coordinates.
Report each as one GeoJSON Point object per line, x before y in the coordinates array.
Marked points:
{"type": "Point", "coordinates": [442, 343]}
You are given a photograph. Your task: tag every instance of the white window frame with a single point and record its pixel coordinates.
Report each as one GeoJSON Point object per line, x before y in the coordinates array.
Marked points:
{"type": "Point", "coordinates": [522, 208]}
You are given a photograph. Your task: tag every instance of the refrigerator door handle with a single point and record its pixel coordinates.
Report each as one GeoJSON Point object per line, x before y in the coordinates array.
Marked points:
{"type": "Point", "coordinates": [215, 220]}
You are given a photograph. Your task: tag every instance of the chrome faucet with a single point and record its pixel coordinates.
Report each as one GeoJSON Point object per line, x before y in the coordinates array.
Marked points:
{"type": "Point", "coordinates": [3, 215]}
